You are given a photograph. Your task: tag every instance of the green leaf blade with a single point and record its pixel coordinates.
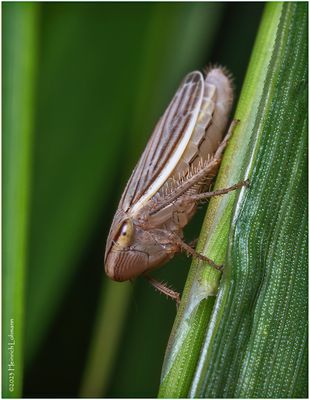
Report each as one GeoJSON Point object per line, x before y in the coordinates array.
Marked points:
{"type": "Point", "coordinates": [274, 246]}
{"type": "Point", "coordinates": [20, 61]}
{"type": "Point", "coordinates": [247, 348]}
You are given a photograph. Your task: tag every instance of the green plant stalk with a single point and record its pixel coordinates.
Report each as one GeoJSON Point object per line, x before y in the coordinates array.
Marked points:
{"type": "Point", "coordinates": [20, 58]}
{"type": "Point", "coordinates": [107, 332]}
{"type": "Point", "coordinates": [261, 335]}
{"type": "Point", "coordinates": [196, 339]}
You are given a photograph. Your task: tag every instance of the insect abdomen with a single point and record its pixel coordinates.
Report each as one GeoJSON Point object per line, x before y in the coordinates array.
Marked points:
{"type": "Point", "coordinates": [211, 123]}
{"type": "Point", "coordinates": [207, 135]}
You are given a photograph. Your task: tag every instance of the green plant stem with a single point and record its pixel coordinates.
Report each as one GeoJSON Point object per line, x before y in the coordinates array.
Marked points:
{"type": "Point", "coordinates": [20, 58]}
{"type": "Point", "coordinates": [223, 356]}
{"type": "Point", "coordinates": [107, 334]}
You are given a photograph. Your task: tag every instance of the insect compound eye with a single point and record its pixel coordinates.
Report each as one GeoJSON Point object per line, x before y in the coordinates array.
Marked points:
{"type": "Point", "coordinates": [125, 234]}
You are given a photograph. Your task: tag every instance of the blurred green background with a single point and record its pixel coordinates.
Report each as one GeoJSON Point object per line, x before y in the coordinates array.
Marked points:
{"type": "Point", "coordinates": [101, 75]}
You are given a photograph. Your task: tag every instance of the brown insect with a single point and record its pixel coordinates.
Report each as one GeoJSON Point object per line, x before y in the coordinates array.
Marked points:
{"type": "Point", "coordinates": [170, 179]}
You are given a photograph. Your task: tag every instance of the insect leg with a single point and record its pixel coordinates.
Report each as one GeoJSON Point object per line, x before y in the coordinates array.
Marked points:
{"type": "Point", "coordinates": [161, 287]}
{"type": "Point", "coordinates": [222, 146]}
{"type": "Point", "coordinates": [175, 243]}
{"type": "Point", "coordinates": [189, 250]}
{"type": "Point", "coordinates": [205, 171]}
{"type": "Point", "coordinates": [193, 243]}
{"type": "Point", "coordinates": [219, 192]}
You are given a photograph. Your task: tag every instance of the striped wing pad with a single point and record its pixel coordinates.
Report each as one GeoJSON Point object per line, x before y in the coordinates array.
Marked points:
{"type": "Point", "coordinates": [163, 150]}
